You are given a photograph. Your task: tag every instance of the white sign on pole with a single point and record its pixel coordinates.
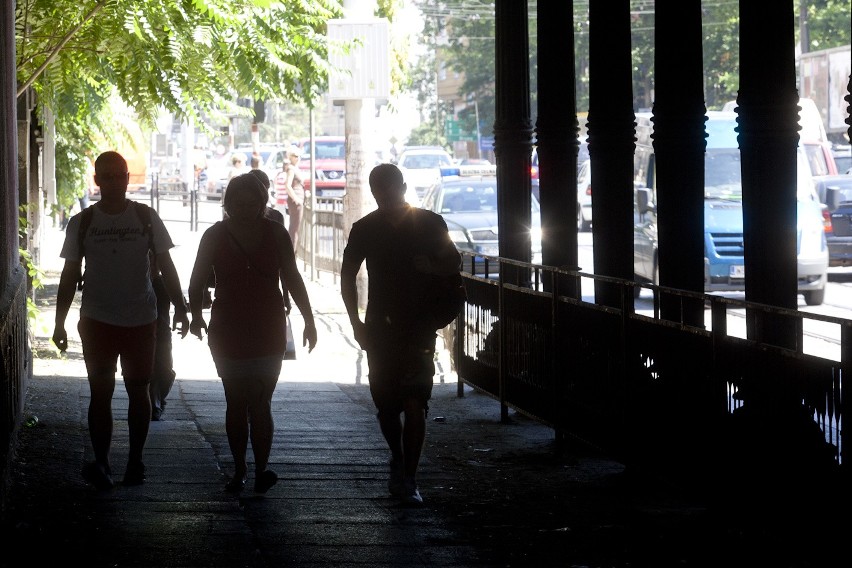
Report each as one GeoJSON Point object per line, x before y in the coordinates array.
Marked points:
{"type": "Point", "coordinates": [363, 72]}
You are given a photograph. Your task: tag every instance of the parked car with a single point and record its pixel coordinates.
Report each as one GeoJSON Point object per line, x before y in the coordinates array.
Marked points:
{"type": "Point", "coordinates": [584, 197]}
{"type": "Point", "coordinates": [837, 195]}
{"type": "Point", "coordinates": [467, 200]}
{"type": "Point", "coordinates": [421, 166]}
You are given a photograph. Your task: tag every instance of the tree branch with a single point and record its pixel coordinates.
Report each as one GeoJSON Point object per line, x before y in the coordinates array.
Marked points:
{"type": "Point", "coordinates": [22, 88]}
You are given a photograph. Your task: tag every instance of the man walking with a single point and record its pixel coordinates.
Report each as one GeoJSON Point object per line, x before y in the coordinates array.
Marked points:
{"type": "Point", "coordinates": [402, 246]}
{"type": "Point", "coordinates": [118, 312]}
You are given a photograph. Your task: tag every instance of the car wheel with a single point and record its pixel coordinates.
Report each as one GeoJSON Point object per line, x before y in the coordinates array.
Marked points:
{"type": "Point", "coordinates": [815, 297]}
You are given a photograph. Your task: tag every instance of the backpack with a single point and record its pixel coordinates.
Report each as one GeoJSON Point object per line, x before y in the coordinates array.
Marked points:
{"type": "Point", "coordinates": [444, 294]}
{"type": "Point", "coordinates": [446, 298]}
{"type": "Point", "coordinates": [142, 211]}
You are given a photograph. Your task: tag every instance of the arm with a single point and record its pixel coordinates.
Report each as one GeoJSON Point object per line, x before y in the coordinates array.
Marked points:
{"type": "Point", "coordinates": [288, 183]}
{"type": "Point", "coordinates": [292, 282]}
{"type": "Point", "coordinates": [198, 282]}
{"type": "Point", "coordinates": [64, 296]}
{"type": "Point", "coordinates": [349, 292]}
{"type": "Point", "coordinates": [172, 283]}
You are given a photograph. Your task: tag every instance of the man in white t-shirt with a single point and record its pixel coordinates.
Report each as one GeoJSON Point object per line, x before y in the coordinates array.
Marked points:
{"type": "Point", "coordinates": [118, 312]}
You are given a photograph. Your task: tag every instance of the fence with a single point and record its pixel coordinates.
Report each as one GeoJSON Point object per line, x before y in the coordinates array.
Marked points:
{"type": "Point", "coordinates": [688, 402]}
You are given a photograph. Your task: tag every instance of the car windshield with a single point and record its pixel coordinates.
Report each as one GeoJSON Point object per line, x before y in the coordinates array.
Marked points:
{"type": "Point", "coordinates": [329, 150]}
{"type": "Point", "coordinates": [473, 196]}
{"type": "Point", "coordinates": [424, 161]}
{"type": "Point", "coordinates": [722, 174]}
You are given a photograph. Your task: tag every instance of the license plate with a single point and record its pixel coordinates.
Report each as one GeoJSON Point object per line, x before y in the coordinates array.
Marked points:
{"type": "Point", "coordinates": [737, 271]}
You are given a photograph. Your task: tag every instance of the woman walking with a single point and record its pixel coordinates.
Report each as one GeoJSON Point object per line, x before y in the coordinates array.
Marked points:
{"type": "Point", "coordinates": [247, 331]}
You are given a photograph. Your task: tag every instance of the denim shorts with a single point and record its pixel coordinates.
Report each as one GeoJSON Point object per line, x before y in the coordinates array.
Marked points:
{"type": "Point", "coordinates": [268, 366]}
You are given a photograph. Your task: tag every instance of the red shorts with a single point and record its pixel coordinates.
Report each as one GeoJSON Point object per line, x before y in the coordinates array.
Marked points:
{"type": "Point", "coordinates": [104, 344]}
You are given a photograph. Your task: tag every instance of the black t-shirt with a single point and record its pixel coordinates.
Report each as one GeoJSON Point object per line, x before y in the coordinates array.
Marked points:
{"type": "Point", "coordinates": [396, 290]}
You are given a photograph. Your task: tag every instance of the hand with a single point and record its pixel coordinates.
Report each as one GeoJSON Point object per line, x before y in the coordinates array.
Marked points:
{"type": "Point", "coordinates": [60, 339]}
{"type": "Point", "coordinates": [359, 330]}
{"type": "Point", "coordinates": [309, 337]}
{"type": "Point", "coordinates": [196, 326]}
{"type": "Point", "coordinates": [183, 320]}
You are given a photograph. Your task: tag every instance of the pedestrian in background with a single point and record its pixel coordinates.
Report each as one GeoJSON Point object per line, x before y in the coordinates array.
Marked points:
{"type": "Point", "coordinates": [247, 332]}
{"type": "Point", "coordinates": [295, 187]}
{"type": "Point", "coordinates": [118, 312]}
{"type": "Point", "coordinates": [401, 244]}
{"type": "Point", "coordinates": [163, 377]}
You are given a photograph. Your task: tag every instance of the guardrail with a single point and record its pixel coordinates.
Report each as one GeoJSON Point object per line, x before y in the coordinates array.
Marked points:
{"type": "Point", "coordinates": [689, 402]}
{"type": "Point", "coordinates": [321, 246]}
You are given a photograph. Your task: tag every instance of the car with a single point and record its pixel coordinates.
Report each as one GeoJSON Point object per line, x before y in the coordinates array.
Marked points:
{"type": "Point", "coordinates": [842, 158]}
{"type": "Point", "coordinates": [837, 196]}
{"type": "Point", "coordinates": [584, 197]}
{"type": "Point", "coordinates": [466, 197]}
{"type": "Point", "coordinates": [421, 166]}
{"type": "Point", "coordinates": [582, 156]}
{"type": "Point", "coordinates": [269, 157]}
{"type": "Point", "coordinates": [724, 262]}
{"type": "Point", "coordinates": [236, 161]}
{"type": "Point", "coordinates": [329, 165]}
{"type": "Point", "coordinates": [474, 162]}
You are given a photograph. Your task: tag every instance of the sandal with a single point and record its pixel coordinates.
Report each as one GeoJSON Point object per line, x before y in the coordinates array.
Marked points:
{"type": "Point", "coordinates": [235, 485]}
{"type": "Point", "coordinates": [98, 475]}
{"type": "Point", "coordinates": [264, 480]}
{"type": "Point", "coordinates": [135, 474]}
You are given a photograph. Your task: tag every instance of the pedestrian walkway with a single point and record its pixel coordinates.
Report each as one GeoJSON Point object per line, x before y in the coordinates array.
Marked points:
{"type": "Point", "coordinates": [496, 493]}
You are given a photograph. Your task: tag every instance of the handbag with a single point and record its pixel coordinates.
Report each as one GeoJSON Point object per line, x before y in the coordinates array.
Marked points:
{"type": "Point", "coordinates": [290, 353]}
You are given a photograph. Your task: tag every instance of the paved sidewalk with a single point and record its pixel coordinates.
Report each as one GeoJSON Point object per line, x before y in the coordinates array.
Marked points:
{"type": "Point", "coordinates": [496, 494]}
{"type": "Point", "coordinates": [330, 507]}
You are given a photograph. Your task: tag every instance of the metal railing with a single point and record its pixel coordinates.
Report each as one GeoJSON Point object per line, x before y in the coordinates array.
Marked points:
{"type": "Point", "coordinates": [640, 387]}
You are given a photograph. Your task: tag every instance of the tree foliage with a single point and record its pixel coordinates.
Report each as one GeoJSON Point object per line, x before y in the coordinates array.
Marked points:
{"type": "Point", "coordinates": [190, 58]}
{"type": "Point", "coordinates": [461, 33]}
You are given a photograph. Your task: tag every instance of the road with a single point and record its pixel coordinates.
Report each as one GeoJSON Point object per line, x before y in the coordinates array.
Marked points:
{"type": "Point", "coordinates": [821, 338]}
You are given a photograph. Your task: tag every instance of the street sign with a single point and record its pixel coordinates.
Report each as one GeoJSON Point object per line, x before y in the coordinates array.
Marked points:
{"type": "Point", "coordinates": [454, 132]}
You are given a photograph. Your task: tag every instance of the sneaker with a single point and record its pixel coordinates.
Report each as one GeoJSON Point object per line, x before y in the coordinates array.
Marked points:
{"type": "Point", "coordinates": [98, 475]}
{"type": "Point", "coordinates": [134, 474]}
{"type": "Point", "coordinates": [156, 413]}
{"type": "Point", "coordinates": [396, 479]}
{"type": "Point", "coordinates": [410, 495]}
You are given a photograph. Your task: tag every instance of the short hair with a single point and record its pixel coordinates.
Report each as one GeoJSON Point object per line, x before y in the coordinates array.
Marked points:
{"type": "Point", "coordinates": [109, 157]}
{"type": "Point", "coordinates": [261, 175]}
{"type": "Point", "coordinates": [386, 176]}
{"type": "Point", "coordinates": [242, 185]}
{"type": "Point", "coordinates": [293, 151]}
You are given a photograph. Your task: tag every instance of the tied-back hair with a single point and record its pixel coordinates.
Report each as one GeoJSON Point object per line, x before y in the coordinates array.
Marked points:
{"type": "Point", "coordinates": [246, 184]}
